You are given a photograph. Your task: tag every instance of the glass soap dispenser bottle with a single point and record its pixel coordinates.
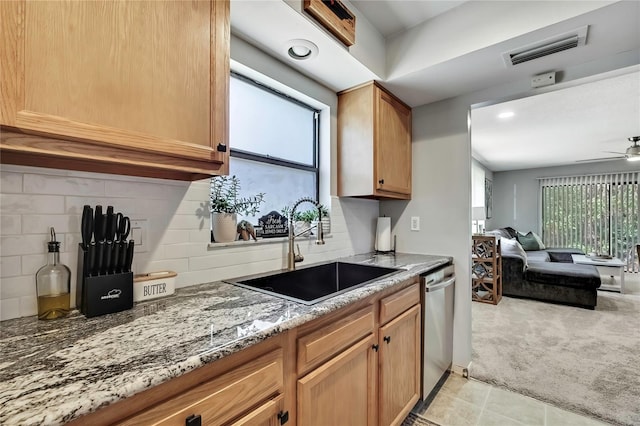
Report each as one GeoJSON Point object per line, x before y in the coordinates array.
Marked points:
{"type": "Point", "coordinates": [53, 284]}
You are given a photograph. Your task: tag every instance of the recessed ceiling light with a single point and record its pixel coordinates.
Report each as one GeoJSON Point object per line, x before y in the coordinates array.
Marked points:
{"type": "Point", "coordinates": [506, 114]}
{"type": "Point", "coordinates": [301, 49]}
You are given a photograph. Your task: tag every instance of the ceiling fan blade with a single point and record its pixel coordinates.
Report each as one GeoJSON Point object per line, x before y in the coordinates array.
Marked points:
{"type": "Point", "coordinates": [593, 160]}
{"type": "Point", "coordinates": [615, 152]}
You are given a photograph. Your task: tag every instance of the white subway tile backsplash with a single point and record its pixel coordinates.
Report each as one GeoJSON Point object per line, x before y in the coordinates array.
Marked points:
{"type": "Point", "coordinates": [176, 265]}
{"type": "Point", "coordinates": [40, 224]}
{"type": "Point", "coordinates": [174, 236]}
{"type": "Point", "coordinates": [62, 185]}
{"type": "Point", "coordinates": [13, 287]}
{"type": "Point", "coordinates": [198, 191]}
{"type": "Point", "coordinates": [10, 266]}
{"type": "Point", "coordinates": [10, 224]}
{"type": "Point", "coordinates": [174, 251]}
{"type": "Point", "coordinates": [178, 225]}
{"type": "Point", "coordinates": [201, 235]}
{"type": "Point", "coordinates": [9, 308]}
{"type": "Point", "coordinates": [10, 183]}
{"type": "Point", "coordinates": [187, 222]}
{"type": "Point", "coordinates": [32, 262]}
{"type": "Point", "coordinates": [31, 204]}
{"type": "Point", "coordinates": [15, 245]}
{"type": "Point", "coordinates": [167, 190]}
{"type": "Point", "coordinates": [198, 208]}
{"type": "Point", "coordinates": [29, 305]}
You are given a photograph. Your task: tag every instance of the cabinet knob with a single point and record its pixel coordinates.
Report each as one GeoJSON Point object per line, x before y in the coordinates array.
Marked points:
{"type": "Point", "coordinates": [381, 181]}
{"type": "Point", "coordinates": [222, 147]}
{"type": "Point", "coordinates": [387, 339]}
{"type": "Point", "coordinates": [193, 420]}
{"type": "Point", "coordinates": [375, 347]}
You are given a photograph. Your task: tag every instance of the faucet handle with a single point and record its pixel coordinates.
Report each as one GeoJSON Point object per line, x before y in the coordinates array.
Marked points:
{"type": "Point", "coordinates": [298, 257]}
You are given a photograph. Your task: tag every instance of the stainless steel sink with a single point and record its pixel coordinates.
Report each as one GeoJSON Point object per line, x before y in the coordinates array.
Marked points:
{"type": "Point", "coordinates": [315, 283]}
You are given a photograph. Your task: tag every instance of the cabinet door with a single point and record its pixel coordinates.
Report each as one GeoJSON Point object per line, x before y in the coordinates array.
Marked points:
{"type": "Point", "coordinates": [399, 381]}
{"type": "Point", "coordinates": [392, 146]}
{"type": "Point", "coordinates": [341, 391]}
{"type": "Point", "coordinates": [145, 77]}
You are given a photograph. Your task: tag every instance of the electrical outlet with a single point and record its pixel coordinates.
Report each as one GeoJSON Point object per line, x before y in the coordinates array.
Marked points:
{"type": "Point", "coordinates": [415, 223]}
{"type": "Point", "coordinates": [139, 234]}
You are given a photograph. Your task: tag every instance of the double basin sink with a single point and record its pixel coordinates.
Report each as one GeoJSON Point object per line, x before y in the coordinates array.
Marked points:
{"type": "Point", "coordinates": [315, 283]}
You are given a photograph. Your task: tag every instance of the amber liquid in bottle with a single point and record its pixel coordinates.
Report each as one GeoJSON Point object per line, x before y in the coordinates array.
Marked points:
{"type": "Point", "coordinates": [53, 282]}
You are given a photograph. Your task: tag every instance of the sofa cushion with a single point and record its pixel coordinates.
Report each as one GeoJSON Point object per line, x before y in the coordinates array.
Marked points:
{"type": "Point", "coordinates": [530, 241]}
{"type": "Point", "coordinates": [500, 232]}
{"type": "Point", "coordinates": [564, 274]}
{"type": "Point", "coordinates": [562, 254]}
{"type": "Point", "coordinates": [537, 256]}
{"type": "Point", "coordinates": [512, 248]}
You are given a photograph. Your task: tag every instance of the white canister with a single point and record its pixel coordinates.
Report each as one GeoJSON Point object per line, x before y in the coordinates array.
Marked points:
{"type": "Point", "coordinates": [153, 285]}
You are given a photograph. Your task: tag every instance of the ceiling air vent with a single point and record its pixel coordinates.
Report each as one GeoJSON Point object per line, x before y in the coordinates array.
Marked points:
{"type": "Point", "coordinates": [558, 43]}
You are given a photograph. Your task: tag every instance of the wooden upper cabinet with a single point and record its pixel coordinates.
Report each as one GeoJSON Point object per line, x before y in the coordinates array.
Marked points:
{"type": "Point", "coordinates": [128, 87]}
{"type": "Point", "coordinates": [374, 144]}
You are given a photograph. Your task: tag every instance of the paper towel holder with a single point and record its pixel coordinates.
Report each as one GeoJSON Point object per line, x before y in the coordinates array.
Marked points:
{"type": "Point", "coordinates": [392, 251]}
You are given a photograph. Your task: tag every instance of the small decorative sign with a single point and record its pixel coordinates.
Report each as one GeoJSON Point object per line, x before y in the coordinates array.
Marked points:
{"type": "Point", "coordinates": [274, 225]}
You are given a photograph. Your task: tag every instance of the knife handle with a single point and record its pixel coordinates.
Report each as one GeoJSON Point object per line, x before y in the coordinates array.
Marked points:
{"type": "Point", "coordinates": [108, 250]}
{"type": "Point", "coordinates": [91, 259]}
{"type": "Point", "coordinates": [123, 255]}
{"type": "Point", "coordinates": [99, 257]}
{"type": "Point", "coordinates": [97, 223]}
{"type": "Point", "coordinates": [117, 265]}
{"type": "Point", "coordinates": [129, 263]}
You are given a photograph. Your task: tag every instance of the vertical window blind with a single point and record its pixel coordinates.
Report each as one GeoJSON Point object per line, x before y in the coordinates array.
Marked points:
{"type": "Point", "coordinates": [594, 213]}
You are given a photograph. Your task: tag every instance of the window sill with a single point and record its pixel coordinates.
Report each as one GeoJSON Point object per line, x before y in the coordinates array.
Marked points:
{"type": "Point", "coordinates": [261, 241]}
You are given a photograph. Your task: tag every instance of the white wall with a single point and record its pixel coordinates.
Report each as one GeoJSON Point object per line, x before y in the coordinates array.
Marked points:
{"type": "Point", "coordinates": [33, 199]}
{"type": "Point", "coordinates": [441, 197]}
{"type": "Point", "coordinates": [442, 185]}
{"type": "Point", "coordinates": [516, 193]}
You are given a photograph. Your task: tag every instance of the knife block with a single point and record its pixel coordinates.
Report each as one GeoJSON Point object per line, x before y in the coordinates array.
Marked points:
{"type": "Point", "coordinates": [102, 294]}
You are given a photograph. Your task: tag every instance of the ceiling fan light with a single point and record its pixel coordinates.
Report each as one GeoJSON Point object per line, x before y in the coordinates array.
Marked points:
{"type": "Point", "coordinates": [634, 158]}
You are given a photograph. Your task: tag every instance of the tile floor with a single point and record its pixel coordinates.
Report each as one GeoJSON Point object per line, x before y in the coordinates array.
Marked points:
{"type": "Point", "coordinates": [462, 402]}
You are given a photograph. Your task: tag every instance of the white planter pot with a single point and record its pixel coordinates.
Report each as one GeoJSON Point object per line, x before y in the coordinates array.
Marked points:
{"type": "Point", "coordinates": [326, 225]}
{"type": "Point", "coordinates": [301, 226]}
{"type": "Point", "coordinates": [224, 227]}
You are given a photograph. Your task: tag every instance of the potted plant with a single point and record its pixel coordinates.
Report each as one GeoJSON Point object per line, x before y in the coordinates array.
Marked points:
{"type": "Point", "coordinates": [325, 221]}
{"type": "Point", "coordinates": [226, 204]}
{"type": "Point", "coordinates": [301, 220]}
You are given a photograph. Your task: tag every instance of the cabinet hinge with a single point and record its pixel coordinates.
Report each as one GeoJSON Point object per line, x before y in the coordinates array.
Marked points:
{"type": "Point", "coordinates": [222, 147]}
{"type": "Point", "coordinates": [283, 417]}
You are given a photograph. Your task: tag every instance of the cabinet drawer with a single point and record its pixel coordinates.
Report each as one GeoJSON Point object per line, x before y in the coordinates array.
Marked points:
{"type": "Point", "coordinates": [392, 306]}
{"type": "Point", "coordinates": [318, 346]}
{"type": "Point", "coordinates": [223, 398]}
{"type": "Point", "coordinates": [264, 415]}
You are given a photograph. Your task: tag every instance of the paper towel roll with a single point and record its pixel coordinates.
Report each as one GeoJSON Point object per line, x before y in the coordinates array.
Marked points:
{"type": "Point", "coordinates": [383, 234]}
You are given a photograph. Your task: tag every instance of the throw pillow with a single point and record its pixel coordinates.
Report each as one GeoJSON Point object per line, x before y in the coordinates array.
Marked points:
{"type": "Point", "coordinates": [512, 248]}
{"type": "Point", "coordinates": [530, 241]}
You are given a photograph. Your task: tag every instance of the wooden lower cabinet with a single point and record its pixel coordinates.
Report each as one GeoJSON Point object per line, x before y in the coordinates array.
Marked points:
{"type": "Point", "coordinates": [399, 372]}
{"type": "Point", "coordinates": [339, 391]}
{"type": "Point", "coordinates": [224, 398]}
{"type": "Point", "coordinates": [359, 365]}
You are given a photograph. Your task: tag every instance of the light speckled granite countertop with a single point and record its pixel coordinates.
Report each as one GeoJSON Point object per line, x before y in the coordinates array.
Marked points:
{"type": "Point", "coordinates": [53, 372]}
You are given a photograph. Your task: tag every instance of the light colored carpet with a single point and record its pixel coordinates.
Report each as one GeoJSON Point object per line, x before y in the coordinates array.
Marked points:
{"type": "Point", "coordinates": [576, 359]}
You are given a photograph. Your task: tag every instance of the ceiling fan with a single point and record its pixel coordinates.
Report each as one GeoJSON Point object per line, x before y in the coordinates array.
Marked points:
{"type": "Point", "coordinates": [631, 154]}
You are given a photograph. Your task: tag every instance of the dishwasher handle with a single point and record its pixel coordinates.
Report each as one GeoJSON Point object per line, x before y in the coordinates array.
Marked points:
{"type": "Point", "coordinates": [440, 285]}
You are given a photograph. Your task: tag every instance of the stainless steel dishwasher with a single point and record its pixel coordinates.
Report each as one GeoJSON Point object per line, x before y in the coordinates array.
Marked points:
{"type": "Point", "coordinates": [438, 290]}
